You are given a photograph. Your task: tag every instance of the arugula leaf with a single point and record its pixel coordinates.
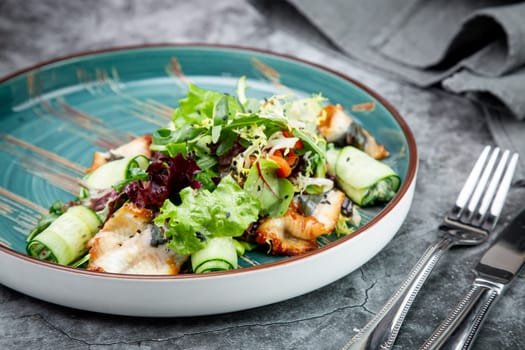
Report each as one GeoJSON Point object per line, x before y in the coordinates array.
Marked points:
{"type": "Point", "coordinates": [201, 116]}
{"type": "Point", "coordinates": [220, 110]}
{"type": "Point", "coordinates": [253, 119]}
{"type": "Point", "coordinates": [315, 152]}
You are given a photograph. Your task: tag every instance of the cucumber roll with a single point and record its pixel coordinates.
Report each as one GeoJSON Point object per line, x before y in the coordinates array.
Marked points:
{"type": "Point", "coordinates": [65, 240]}
{"type": "Point", "coordinates": [115, 172]}
{"type": "Point", "coordinates": [220, 254]}
{"type": "Point", "coordinates": [364, 179]}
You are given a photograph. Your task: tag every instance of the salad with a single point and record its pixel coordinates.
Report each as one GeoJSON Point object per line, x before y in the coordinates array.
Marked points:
{"type": "Point", "coordinates": [228, 174]}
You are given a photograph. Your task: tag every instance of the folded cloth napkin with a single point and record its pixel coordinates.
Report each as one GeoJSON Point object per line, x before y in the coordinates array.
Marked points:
{"type": "Point", "coordinates": [474, 47]}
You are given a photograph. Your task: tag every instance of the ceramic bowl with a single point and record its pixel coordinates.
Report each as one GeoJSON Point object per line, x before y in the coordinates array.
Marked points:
{"type": "Point", "coordinates": [53, 116]}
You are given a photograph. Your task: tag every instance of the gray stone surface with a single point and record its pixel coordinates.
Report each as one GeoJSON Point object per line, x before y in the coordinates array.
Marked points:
{"type": "Point", "coordinates": [449, 130]}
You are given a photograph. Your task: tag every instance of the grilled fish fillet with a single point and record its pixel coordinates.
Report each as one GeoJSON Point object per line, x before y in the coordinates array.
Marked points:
{"type": "Point", "coordinates": [135, 147]}
{"type": "Point", "coordinates": [295, 233]}
{"type": "Point", "coordinates": [123, 245]}
{"type": "Point", "coordinates": [338, 126]}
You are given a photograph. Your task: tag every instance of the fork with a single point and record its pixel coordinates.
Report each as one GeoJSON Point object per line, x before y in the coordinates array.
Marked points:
{"type": "Point", "coordinates": [469, 222]}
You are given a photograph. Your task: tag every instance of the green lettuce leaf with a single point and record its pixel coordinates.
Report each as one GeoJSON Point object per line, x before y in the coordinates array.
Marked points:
{"type": "Point", "coordinates": [201, 104]}
{"type": "Point", "coordinates": [202, 215]}
{"type": "Point", "coordinates": [195, 107]}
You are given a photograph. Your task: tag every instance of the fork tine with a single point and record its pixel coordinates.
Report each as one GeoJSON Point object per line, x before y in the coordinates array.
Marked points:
{"type": "Point", "coordinates": [480, 187]}
{"type": "Point", "coordinates": [470, 184]}
{"type": "Point", "coordinates": [493, 185]}
{"type": "Point", "coordinates": [501, 194]}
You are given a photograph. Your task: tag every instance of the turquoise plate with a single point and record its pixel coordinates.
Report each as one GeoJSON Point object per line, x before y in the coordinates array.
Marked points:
{"type": "Point", "coordinates": [55, 115]}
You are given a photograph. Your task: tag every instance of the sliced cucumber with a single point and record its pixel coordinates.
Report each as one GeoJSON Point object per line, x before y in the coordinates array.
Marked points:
{"type": "Point", "coordinates": [114, 172]}
{"type": "Point", "coordinates": [65, 240]}
{"type": "Point", "coordinates": [220, 254]}
{"type": "Point", "coordinates": [364, 179]}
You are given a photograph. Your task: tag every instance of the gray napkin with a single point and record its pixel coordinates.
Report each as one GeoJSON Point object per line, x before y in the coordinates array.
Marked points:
{"type": "Point", "coordinates": [472, 47]}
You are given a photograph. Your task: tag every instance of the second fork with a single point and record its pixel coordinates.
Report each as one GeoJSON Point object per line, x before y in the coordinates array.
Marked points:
{"type": "Point", "coordinates": [471, 219]}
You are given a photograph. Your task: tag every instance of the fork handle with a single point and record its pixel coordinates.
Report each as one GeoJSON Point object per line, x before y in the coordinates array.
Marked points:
{"type": "Point", "coordinates": [458, 331]}
{"type": "Point", "coordinates": [382, 330]}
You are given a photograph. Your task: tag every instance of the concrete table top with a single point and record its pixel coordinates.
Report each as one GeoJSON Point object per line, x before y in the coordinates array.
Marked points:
{"type": "Point", "coordinates": [450, 131]}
